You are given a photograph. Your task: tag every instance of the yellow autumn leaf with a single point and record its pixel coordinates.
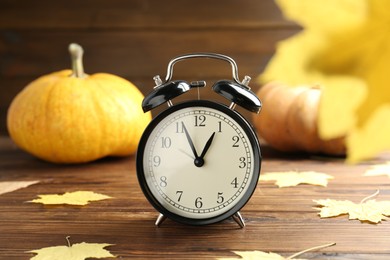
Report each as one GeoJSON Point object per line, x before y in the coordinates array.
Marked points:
{"type": "Point", "coordinates": [378, 170]}
{"type": "Point", "coordinates": [79, 251]}
{"type": "Point", "coordinates": [348, 56]}
{"type": "Point", "coordinates": [294, 178]}
{"type": "Point", "coordinates": [9, 186]}
{"type": "Point", "coordinates": [257, 255]}
{"type": "Point", "coordinates": [367, 210]}
{"type": "Point", "coordinates": [71, 198]}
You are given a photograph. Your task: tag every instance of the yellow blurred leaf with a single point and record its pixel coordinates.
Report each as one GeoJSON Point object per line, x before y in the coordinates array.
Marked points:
{"type": "Point", "coordinates": [9, 186]}
{"type": "Point", "coordinates": [378, 170]}
{"type": "Point", "coordinates": [294, 178]}
{"type": "Point", "coordinates": [71, 198]}
{"type": "Point", "coordinates": [348, 55]}
{"type": "Point", "coordinates": [367, 210]}
{"type": "Point", "coordinates": [79, 251]}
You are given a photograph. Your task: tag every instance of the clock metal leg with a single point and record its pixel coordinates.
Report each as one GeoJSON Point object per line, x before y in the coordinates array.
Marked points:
{"type": "Point", "coordinates": [160, 219]}
{"type": "Point", "coordinates": [238, 218]}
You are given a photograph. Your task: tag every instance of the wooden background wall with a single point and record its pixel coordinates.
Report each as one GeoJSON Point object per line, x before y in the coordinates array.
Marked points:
{"type": "Point", "coordinates": [134, 39]}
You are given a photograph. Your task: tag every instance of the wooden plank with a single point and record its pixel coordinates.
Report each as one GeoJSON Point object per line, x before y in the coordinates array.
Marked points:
{"type": "Point", "coordinates": [100, 14]}
{"type": "Point", "coordinates": [278, 220]}
{"type": "Point", "coordinates": [135, 53]}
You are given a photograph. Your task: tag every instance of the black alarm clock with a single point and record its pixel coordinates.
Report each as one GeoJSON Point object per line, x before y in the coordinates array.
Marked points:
{"type": "Point", "coordinates": [198, 162]}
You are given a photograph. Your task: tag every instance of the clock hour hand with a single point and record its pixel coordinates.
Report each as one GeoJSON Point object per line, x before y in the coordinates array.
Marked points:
{"type": "Point", "coordinates": [199, 161]}
{"type": "Point", "coordinates": [207, 146]}
{"type": "Point", "coordinates": [190, 141]}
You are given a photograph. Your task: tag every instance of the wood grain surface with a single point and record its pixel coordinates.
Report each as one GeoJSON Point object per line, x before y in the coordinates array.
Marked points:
{"type": "Point", "coordinates": [135, 39]}
{"type": "Point", "coordinates": [280, 220]}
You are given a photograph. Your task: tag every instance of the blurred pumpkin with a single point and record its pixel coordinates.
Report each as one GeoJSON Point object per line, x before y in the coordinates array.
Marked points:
{"type": "Point", "coordinates": [71, 117]}
{"type": "Point", "coordinates": [288, 121]}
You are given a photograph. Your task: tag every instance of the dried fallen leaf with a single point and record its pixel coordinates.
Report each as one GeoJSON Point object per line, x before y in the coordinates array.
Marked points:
{"type": "Point", "coordinates": [79, 251]}
{"type": "Point", "coordinates": [378, 170]}
{"type": "Point", "coordinates": [8, 186]}
{"type": "Point", "coordinates": [293, 178]}
{"type": "Point", "coordinates": [346, 55]}
{"type": "Point", "coordinates": [71, 198]}
{"type": "Point", "coordinates": [367, 210]}
{"type": "Point", "coordinates": [257, 255]}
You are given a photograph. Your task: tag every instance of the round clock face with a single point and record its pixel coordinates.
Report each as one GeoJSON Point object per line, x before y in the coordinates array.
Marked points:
{"type": "Point", "coordinates": [198, 162]}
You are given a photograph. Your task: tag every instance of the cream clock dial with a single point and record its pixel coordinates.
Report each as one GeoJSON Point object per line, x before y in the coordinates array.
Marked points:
{"type": "Point", "coordinates": [198, 162]}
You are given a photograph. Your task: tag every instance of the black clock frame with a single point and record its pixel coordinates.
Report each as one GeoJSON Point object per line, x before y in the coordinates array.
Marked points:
{"type": "Point", "coordinates": [253, 140]}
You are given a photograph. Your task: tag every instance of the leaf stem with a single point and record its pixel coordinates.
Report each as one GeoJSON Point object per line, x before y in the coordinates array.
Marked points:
{"type": "Point", "coordinates": [310, 249]}
{"type": "Point", "coordinates": [369, 197]}
{"type": "Point", "coordinates": [76, 54]}
{"type": "Point", "coordinates": [68, 240]}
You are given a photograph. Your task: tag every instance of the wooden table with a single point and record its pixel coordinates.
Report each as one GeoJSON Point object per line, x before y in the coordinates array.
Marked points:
{"type": "Point", "coordinates": [280, 220]}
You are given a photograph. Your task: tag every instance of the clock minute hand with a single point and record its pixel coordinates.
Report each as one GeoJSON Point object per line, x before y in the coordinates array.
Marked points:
{"type": "Point", "coordinates": [190, 141]}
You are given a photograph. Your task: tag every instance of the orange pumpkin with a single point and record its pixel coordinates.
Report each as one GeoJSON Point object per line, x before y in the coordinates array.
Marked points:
{"type": "Point", "coordinates": [71, 117]}
{"type": "Point", "coordinates": [288, 120]}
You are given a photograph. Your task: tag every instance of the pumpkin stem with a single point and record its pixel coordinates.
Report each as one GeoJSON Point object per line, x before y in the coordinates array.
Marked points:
{"type": "Point", "coordinates": [76, 54]}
